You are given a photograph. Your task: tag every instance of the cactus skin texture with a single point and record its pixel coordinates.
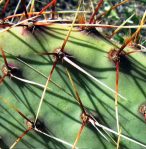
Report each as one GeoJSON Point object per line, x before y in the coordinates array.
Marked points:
{"type": "Point", "coordinates": [60, 112]}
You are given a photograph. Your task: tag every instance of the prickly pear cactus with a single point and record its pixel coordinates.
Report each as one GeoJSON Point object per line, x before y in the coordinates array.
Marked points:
{"type": "Point", "coordinates": [65, 87]}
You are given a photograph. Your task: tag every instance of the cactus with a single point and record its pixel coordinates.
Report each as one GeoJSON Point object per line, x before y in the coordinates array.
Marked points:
{"type": "Point", "coordinates": [68, 87]}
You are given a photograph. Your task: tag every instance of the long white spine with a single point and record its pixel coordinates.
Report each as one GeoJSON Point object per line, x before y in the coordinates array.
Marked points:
{"type": "Point", "coordinates": [90, 76]}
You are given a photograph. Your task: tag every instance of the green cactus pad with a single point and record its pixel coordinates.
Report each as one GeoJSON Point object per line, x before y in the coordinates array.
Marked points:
{"type": "Point", "coordinates": [60, 112]}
